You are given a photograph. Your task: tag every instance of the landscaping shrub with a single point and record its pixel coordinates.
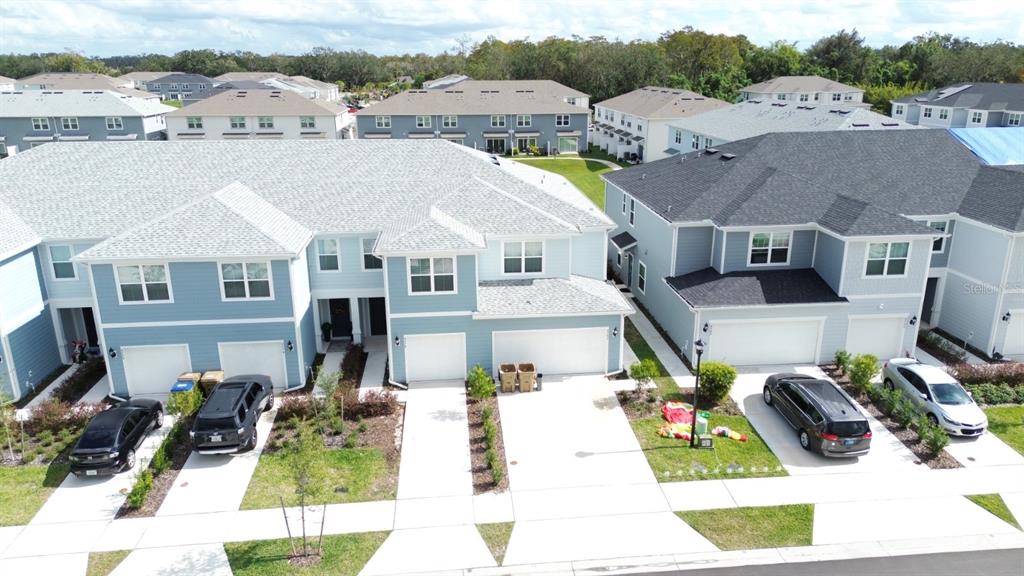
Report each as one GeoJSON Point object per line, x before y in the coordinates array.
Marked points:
{"type": "Point", "coordinates": [76, 385]}
{"type": "Point", "coordinates": [50, 415]}
{"type": "Point", "coordinates": [184, 404]}
{"type": "Point", "coordinates": [902, 410]}
{"type": "Point", "coordinates": [490, 433]}
{"type": "Point", "coordinates": [1011, 373]}
{"type": "Point", "coordinates": [491, 456]}
{"type": "Point", "coordinates": [862, 368]}
{"type": "Point", "coordinates": [716, 379]}
{"type": "Point", "coordinates": [989, 393]}
{"type": "Point", "coordinates": [932, 435]}
{"type": "Point", "coordinates": [137, 497]}
{"type": "Point", "coordinates": [371, 404]}
{"type": "Point", "coordinates": [487, 413]}
{"type": "Point", "coordinates": [295, 406]}
{"type": "Point", "coordinates": [481, 385]}
{"type": "Point", "coordinates": [941, 348]}
{"type": "Point", "coordinates": [842, 361]}
{"type": "Point", "coordinates": [643, 372]}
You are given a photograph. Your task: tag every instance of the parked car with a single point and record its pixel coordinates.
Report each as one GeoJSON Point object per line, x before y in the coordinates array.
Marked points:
{"type": "Point", "coordinates": [827, 421]}
{"type": "Point", "coordinates": [227, 421]}
{"type": "Point", "coordinates": [110, 439]}
{"type": "Point", "coordinates": [937, 395]}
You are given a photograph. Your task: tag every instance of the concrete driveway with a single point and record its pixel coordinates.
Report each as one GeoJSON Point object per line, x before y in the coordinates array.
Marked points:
{"type": "Point", "coordinates": [435, 442]}
{"type": "Point", "coordinates": [887, 452]}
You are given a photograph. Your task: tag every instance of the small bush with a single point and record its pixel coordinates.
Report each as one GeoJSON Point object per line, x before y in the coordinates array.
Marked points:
{"type": "Point", "coordinates": [76, 385]}
{"type": "Point", "coordinates": [902, 410]}
{"type": "Point", "coordinates": [184, 404]}
{"type": "Point", "coordinates": [481, 385]}
{"type": "Point", "coordinates": [487, 413]}
{"type": "Point", "coordinates": [716, 379]}
{"type": "Point", "coordinates": [137, 497]}
{"type": "Point", "coordinates": [161, 462]}
{"type": "Point", "coordinates": [842, 361]}
{"type": "Point", "coordinates": [491, 456]}
{"type": "Point", "coordinates": [67, 435]}
{"type": "Point", "coordinates": [988, 393]}
{"type": "Point", "coordinates": [497, 473]}
{"type": "Point", "coordinates": [943, 349]}
{"type": "Point", "coordinates": [351, 441]}
{"type": "Point", "coordinates": [45, 438]}
{"type": "Point", "coordinates": [299, 406]}
{"type": "Point", "coordinates": [50, 415]}
{"type": "Point", "coordinates": [362, 427]}
{"type": "Point", "coordinates": [490, 433]}
{"type": "Point", "coordinates": [643, 372]}
{"type": "Point", "coordinates": [371, 404]}
{"type": "Point", "coordinates": [29, 455]}
{"type": "Point", "coordinates": [1010, 373]}
{"type": "Point", "coordinates": [337, 425]}
{"type": "Point", "coordinates": [932, 435]}
{"type": "Point", "coordinates": [863, 368]}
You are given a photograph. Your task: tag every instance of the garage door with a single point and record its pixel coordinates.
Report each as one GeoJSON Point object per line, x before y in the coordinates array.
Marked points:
{"type": "Point", "coordinates": [570, 351]}
{"type": "Point", "coordinates": [153, 369]}
{"type": "Point", "coordinates": [1014, 342]}
{"type": "Point", "coordinates": [238, 358]}
{"type": "Point", "coordinates": [764, 343]}
{"type": "Point", "coordinates": [880, 337]}
{"type": "Point", "coordinates": [435, 357]}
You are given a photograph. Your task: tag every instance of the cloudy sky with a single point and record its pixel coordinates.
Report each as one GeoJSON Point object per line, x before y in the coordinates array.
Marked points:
{"type": "Point", "coordinates": [111, 27]}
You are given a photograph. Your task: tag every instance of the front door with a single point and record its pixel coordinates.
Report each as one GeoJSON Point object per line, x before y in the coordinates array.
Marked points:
{"type": "Point", "coordinates": [929, 300]}
{"type": "Point", "coordinates": [90, 327]}
{"type": "Point", "coordinates": [341, 318]}
{"type": "Point", "coordinates": [629, 270]}
{"type": "Point", "coordinates": [378, 317]}
{"type": "Point", "coordinates": [495, 145]}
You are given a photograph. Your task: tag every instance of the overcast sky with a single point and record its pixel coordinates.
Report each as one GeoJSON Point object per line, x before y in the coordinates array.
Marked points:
{"type": "Point", "coordinates": [112, 27]}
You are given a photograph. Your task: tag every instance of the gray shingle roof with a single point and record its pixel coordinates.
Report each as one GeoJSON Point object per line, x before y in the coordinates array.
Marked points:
{"type": "Point", "coordinates": [824, 177]}
{"type": "Point", "coordinates": [81, 103]}
{"type": "Point", "coordinates": [659, 103]}
{"type": "Point", "coordinates": [789, 84]}
{"type": "Point", "coordinates": [16, 236]}
{"type": "Point", "coordinates": [996, 196]}
{"type": "Point", "coordinates": [708, 289]}
{"type": "Point", "coordinates": [258, 102]}
{"type": "Point", "coordinates": [183, 77]}
{"type": "Point", "coordinates": [78, 81]}
{"type": "Point", "coordinates": [623, 240]}
{"type": "Point", "coordinates": [543, 296]}
{"type": "Point", "coordinates": [483, 97]}
{"type": "Point", "coordinates": [976, 95]}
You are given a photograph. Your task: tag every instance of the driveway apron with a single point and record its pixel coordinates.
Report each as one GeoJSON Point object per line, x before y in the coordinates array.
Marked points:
{"type": "Point", "coordinates": [435, 442]}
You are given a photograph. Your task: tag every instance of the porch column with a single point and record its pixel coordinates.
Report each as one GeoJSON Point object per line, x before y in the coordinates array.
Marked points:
{"type": "Point", "coordinates": [321, 346]}
{"type": "Point", "coordinates": [58, 333]}
{"type": "Point", "coordinates": [357, 326]}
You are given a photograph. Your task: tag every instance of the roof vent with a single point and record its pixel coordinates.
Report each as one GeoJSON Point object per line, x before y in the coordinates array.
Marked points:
{"type": "Point", "coordinates": [643, 176]}
{"type": "Point", "coordinates": [860, 124]}
{"type": "Point", "coordinates": [890, 123]}
{"type": "Point", "coordinates": [711, 151]}
{"type": "Point", "coordinates": [727, 157]}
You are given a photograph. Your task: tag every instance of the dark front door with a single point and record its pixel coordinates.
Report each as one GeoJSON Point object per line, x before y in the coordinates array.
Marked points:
{"type": "Point", "coordinates": [90, 327]}
{"type": "Point", "coordinates": [929, 300]}
{"type": "Point", "coordinates": [629, 270]}
{"type": "Point", "coordinates": [378, 317]}
{"type": "Point", "coordinates": [341, 318]}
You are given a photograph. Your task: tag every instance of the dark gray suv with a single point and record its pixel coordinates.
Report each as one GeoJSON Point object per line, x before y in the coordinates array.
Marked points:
{"type": "Point", "coordinates": [227, 421]}
{"type": "Point", "coordinates": [827, 421]}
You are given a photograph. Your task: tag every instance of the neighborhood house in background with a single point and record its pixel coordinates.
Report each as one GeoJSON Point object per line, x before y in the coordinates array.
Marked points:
{"type": "Point", "coordinates": [813, 90]}
{"type": "Point", "coordinates": [965, 105]}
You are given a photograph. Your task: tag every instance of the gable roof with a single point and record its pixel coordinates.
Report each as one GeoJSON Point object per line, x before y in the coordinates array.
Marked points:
{"type": "Point", "coordinates": [975, 95]}
{"type": "Point", "coordinates": [143, 75]}
{"type": "Point", "coordinates": [83, 103]}
{"type": "Point", "coordinates": [78, 81]}
{"type": "Point", "coordinates": [854, 183]}
{"type": "Point", "coordinates": [258, 102]}
{"type": "Point", "coordinates": [756, 117]}
{"type": "Point", "coordinates": [183, 77]}
{"type": "Point", "coordinates": [483, 97]}
{"type": "Point", "coordinates": [6, 80]}
{"type": "Point", "coordinates": [659, 103]}
{"type": "Point", "coordinates": [254, 76]}
{"type": "Point", "coordinates": [17, 236]}
{"type": "Point", "coordinates": [788, 84]}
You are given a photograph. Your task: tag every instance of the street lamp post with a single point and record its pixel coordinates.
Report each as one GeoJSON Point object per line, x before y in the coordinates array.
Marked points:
{"type": "Point", "coordinates": [698, 347]}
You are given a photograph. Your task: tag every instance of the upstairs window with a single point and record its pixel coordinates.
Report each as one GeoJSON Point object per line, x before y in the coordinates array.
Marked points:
{"type": "Point", "coordinates": [423, 121]}
{"type": "Point", "coordinates": [804, 97]}
{"type": "Point", "coordinates": [69, 123]}
{"type": "Point", "coordinates": [194, 122]}
{"type": "Point", "coordinates": [695, 142]}
{"type": "Point", "coordinates": [780, 96]}
{"type": "Point", "coordinates": [887, 259]}
{"type": "Point", "coordinates": [926, 112]}
{"type": "Point", "coordinates": [767, 248]}
{"type": "Point", "coordinates": [40, 123]}
{"type": "Point", "coordinates": [115, 123]}
{"type": "Point", "coordinates": [429, 275]}
{"type": "Point", "coordinates": [497, 121]}
{"type": "Point", "coordinates": [1013, 118]}
{"type": "Point", "coordinates": [265, 121]}
{"type": "Point", "coordinates": [632, 211]}
{"type": "Point", "coordinates": [976, 117]}
{"type": "Point", "coordinates": [146, 283]}
{"type": "Point", "coordinates": [370, 262]}
{"type": "Point", "coordinates": [939, 244]}
{"type": "Point", "coordinates": [897, 109]}
{"type": "Point", "coordinates": [307, 122]}
{"type": "Point", "coordinates": [450, 121]}
{"type": "Point", "coordinates": [707, 142]}
{"type": "Point", "coordinates": [238, 122]}
{"type": "Point", "coordinates": [561, 119]}
{"type": "Point", "coordinates": [678, 136]}
{"type": "Point", "coordinates": [60, 260]}
{"type": "Point", "coordinates": [641, 278]}
{"type": "Point", "coordinates": [383, 121]}
{"type": "Point", "coordinates": [837, 97]}
{"type": "Point", "coordinates": [524, 120]}
{"type": "Point", "coordinates": [624, 199]}
{"type": "Point", "coordinates": [943, 113]}
{"type": "Point", "coordinates": [246, 281]}
{"type": "Point", "coordinates": [328, 254]}
{"type": "Point", "coordinates": [523, 257]}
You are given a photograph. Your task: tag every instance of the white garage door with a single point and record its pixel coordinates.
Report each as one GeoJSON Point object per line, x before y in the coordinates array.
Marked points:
{"type": "Point", "coordinates": [1014, 342]}
{"type": "Point", "coordinates": [764, 343]}
{"type": "Point", "coordinates": [239, 358]}
{"type": "Point", "coordinates": [153, 369]}
{"type": "Point", "coordinates": [880, 337]}
{"type": "Point", "coordinates": [435, 357]}
{"type": "Point", "coordinates": [570, 351]}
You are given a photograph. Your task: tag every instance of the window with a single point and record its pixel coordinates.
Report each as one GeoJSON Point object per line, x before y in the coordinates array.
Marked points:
{"type": "Point", "coordinates": [427, 275]}
{"type": "Point", "coordinates": [147, 283]}
{"type": "Point", "coordinates": [887, 259]}
{"type": "Point", "coordinates": [678, 136]}
{"type": "Point", "coordinates": [939, 243]}
{"type": "Point", "coordinates": [837, 97]}
{"type": "Point", "coordinates": [618, 259]}
{"type": "Point", "coordinates": [423, 121]}
{"type": "Point", "coordinates": [847, 97]}
{"type": "Point", "coordinates": [497, 121]}
{"type": "Point", "coordinates": [449, 121]}
{"type": "Point", "coordinates": [307, 122]}
{"type": "Point", "coordinates": [265, 121]}
{"type": "Point", "coordinates": [943, 113]}
{"type": "Point", "coordinates": [40, 123]}
{"type": "Point", "coordinates": [194, 122]}
{"type": "Point", "coordinates": [60, 259]}
{"type": "Point", "coordinates": [523, 257]}
{"type": "Point", "coordinates": [561, 120]}
{"type": "Point", "coordinates": [328, 254]}
{"type": "Point", "coordinates": [383, 121]}
{"type": "Point", "coordinates": [570, 100]}
{"type": "Point", "coordinates": [115, 123]}
{"type": "Point", "coordinates": [524, 144]}
{"type": "Point", "coordinates": [707, 142]}
{"type": "Point", "coordinates": [523, 120]}
{"type": "Point", "coordinates": [624, 199]}
{"type": "Point", "coordinates": [370, 262]}
{"type": "Point", "coordinates": [817, 96]}
{"type": "Point", "coordinates": [976, 117]}
{"type": "Point", "coordinates": [237, 122]}
{"type": "Point", "coordinates": [804, 97]}
{"type": "Point", "coordinates": [767, 248]}
{"type": "Point", "coordinates": [632, 211]}
{"type": "Point", "coordinates": [1013, 118]}
{"type": "Point", "coordinates": [695, 142]}
{"type": "Point", "coordinates": [641, 278]}
{"type": "Point", "coordinates": [611, 116]}
{"type": "Point", "coordinates": [246, 280]}
{"type": "Point", "coordinates": [780, 96]}
{"type": "Point", "coordinates": [174, 86]}
{"type": "Point", "coordinates": [926, 112]}
{"type": "Point", "coordinates": [69, 123]}
{"type": "Point", "coordinates": [184, 85]}
{"type": "Point", "coordinates": [897, 109]}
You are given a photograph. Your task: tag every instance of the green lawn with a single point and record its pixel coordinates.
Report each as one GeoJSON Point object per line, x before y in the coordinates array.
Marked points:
{"type": "Point", "coordinates": [673, 460]}
{"type": "Point", "coordinates": [103, 563]}
{"type": "Point", "coordinates": [496, 536]}
{"type": "Point", "coordinates": [344, 555]}
{"type": "Point", "coordinates": [364, 472]}
{"type": "Point", "coordinates": [761, 527]}
{"type": "Point", "coordinates": [994, 504]}
{"type": "Point", "coordinates": [667, 387]}
{"type": "Point", "coordinates": [1007, 422]}
{"type": "Point", "coordinates": [584, 174]}
{"type": "Point", "coordinates": [596, 152]}
{"type": "Point", "coordinates": [29, 486]}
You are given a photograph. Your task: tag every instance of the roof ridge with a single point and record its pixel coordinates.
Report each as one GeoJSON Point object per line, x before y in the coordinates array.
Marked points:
{"type": "Point", "coordinates": [228, 196]}
{"type": "Point", "coordinates": [519, 200]}
{"type": "Point", "coordinates": [449, 222]}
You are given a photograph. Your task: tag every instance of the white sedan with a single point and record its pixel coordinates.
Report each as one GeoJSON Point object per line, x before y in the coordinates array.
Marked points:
{"type": "Point", "coordinates": [936, 394]}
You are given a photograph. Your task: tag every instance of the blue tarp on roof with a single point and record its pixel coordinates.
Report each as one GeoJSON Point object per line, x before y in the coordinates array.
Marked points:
{"type": "Point", "coordinates": [995, 146]}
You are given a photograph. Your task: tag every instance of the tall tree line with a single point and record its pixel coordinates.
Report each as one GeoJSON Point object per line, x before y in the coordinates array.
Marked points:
{"type": "Point", "coordinates": [716, 65]}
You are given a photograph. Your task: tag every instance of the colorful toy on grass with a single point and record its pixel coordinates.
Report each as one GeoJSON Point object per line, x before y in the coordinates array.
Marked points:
{"type": "Point", "coordinates": [725, 432]}
{"type": "Point", "coordinates": [679, 431]}
{"type": "Point", "coordinates": [677, 412]}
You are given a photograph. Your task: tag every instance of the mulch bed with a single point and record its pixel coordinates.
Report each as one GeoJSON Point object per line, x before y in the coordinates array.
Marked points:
{"type": "Point", "coordinates": [945, 356]}
{"type": "Point", "coordinates": [649, 404]}
{"type": "Point", "coordinates": [163, 483]}
{"type": "Point", "coordinates": [907, 436]}
{"type": "Point", "coordinates": [483, 482]}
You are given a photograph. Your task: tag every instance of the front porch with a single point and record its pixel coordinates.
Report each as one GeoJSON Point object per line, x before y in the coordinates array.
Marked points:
{"type": "Point", "coordinates": [351, 319]}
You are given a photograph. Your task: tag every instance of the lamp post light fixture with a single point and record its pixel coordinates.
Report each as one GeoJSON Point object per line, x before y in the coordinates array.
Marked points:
{"type": "Point", "coordinates": [698, 347]}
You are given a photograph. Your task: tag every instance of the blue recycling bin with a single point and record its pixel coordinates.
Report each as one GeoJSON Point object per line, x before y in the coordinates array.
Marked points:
{"type": "Point", "coordinates": [183, 385]}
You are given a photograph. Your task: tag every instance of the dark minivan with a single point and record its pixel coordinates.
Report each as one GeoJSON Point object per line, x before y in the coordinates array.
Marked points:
{"type": "Point", "coordinates": [826, 419]}
{"type": "Point", "coordinates": [110, 439]}
{"type": "Point", "coordinates": [227, 421]}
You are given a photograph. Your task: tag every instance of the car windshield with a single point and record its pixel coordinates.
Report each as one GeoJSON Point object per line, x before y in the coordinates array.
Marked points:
{"type": "Point", "coordinates": [950, 394]}
{"type": "Point", "coordinates": [97, 438]}
{"type": "Point", "coordinates": [855, 428]}
{"type": "Point", "coordinates": [214, 424]}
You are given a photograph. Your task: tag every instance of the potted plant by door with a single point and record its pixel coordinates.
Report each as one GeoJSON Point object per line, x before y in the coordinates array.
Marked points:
{"type": "Point", "coordinates": [326, 328]}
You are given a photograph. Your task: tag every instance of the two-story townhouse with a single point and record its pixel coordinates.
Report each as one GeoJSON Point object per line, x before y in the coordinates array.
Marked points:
{"type": "Point", "coordinates": [80, 81]}
{"type": "Point", "coordinates": [187, 88]}
{"type": "Point", "coordinates": [221, 262]}
{"type": "Point", "coordinates": [266, 114]}
{"type": "Point", "coordinates": [967, 105]}
{"type": "Point", "coordinates": [634, 125]}
{"type": "Point", "coordinates": [805, 89]}
{"type": "Point", "coordinates": [497, 116]}
{"type": "Point", "coordinates": [785, 248]}
{"type": "Point", "coordinates": [757, 117]}
{"type": "Point", "coordinates": [29, 118]}
{"type": "Point", "coordinates": [139, 78]}
{"type": "Point", "coordinates": [307, 87]}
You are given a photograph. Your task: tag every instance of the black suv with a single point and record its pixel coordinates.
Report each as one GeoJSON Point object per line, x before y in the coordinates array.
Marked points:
{"type": "Point", "coordinates": [110, 439]}
{"type": "Point", "coordinates": [227, 421]}
{"type": "Point", "coordinates": [826, 419]}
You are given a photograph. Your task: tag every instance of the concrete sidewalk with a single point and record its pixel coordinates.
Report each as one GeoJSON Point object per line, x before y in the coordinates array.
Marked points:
{"type": "Point", "coordinates": [675, 367]}
{"type": "Point", "coordinates": [376, 348]}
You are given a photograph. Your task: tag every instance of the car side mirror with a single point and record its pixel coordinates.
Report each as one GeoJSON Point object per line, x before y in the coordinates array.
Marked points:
{"type": "Point", "coordinates": [969, 393]}
{"type": "Point", "coordinates": [923, 395]}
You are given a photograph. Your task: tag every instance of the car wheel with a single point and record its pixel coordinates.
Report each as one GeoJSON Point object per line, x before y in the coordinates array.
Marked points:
{"type": "Point", "coordinates": [933, 419]}
{"type": "Point", "coordinates": [767, 395]}
{"type": "Point", "coordinates": [805, 440]}
{"type": "Point", "coordinates": [251, 444]}
{"type": "Point", "coordinates": [889, 384]}
{"type": "Point", "coordinates": [159, 420]}
{"type": "Point", "coordinates": [270, 402]}
{"type": "Point", "coordinates": [129, 460]}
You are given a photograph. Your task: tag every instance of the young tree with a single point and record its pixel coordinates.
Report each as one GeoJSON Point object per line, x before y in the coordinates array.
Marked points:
{"type": "Point", "coordinates": [308, 465]}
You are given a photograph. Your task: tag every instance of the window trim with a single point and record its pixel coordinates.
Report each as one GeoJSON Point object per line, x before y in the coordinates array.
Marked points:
{"type": "Point", "coordinates": [364, 253]}
{"type": "Point", "coordinates": [66, 123]}
{"type": "Point", "coordinates": [522, 258]}
{"type": "Point", "coordinates": [245, 280]}
{"type": "Point", "coordinates": [942, 240]}
{"type": "Point", "coordinates": [311, 124]}
{"type": "Point", "coordinates": [625, 200]}
{"type": "Point", "coordinates": [42, 125]}
{"type": "Point", "coordinates": [501, 117]}
{"type": "Point", "coordinates": [194, 122]}
{"type": "Point", "coordinates": [885, 266]}
{"type": "Point", "coordinates": [455, 275]}
{"type": "Point", "coordinates": [560, 123]}
{"type": "Point", "coordinates": [71, 260]}
{"type": "Point", "coordinates": [641, 277]}
{"type": "Point", "coordinates": [424, 121]}
{"type": "Point", "coordinates": [632, 211]}
{"type": "Point", "coordinates": [897, 109]}
{"type": "Point", "coordinates": [244, 125]}
{"type": "Point", "coordinates": [145, 291]}
{"type": "Point", "coordinates": [450, 121]}
{"type": "Point", "coordinates": [926, 112]}
{"type": "Point", "coordinates": [1014, 118]}
{"type": "Point", "coordinates": [943, 113]}
{"type": "Point", "coordinates": [771, 238]}
{"type": "Point", "coordinates": [337, 254]}
{"type": "Point", "coordinates": [524, 120]}
{"type": "Point", "coordinates": [382, 121]}
{"type": "Point", "coordinates": [981, 117]}
{"type": "Point", "coordinates": [259, 123]}
{"type": "Point", "coordinates": [119, 124]}
{"type": "Point", "coordinates": [618, 259]}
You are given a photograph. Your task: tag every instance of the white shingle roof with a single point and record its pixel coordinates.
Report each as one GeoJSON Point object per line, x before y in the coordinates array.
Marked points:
{"type": "Point", "coordinates": [543, 296]}
{"type": "Point", "coordinates": [84, 103]}
{"type": "Point", "coordinates": [787, 84]}
{"type": "Point", "coordinates": [16, 235]}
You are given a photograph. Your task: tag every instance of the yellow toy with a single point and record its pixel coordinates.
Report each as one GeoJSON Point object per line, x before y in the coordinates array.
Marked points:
{"type": "Point", "coordinates": [725, 432]}
{"type": "Point", "coordinates": [679, 431]}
